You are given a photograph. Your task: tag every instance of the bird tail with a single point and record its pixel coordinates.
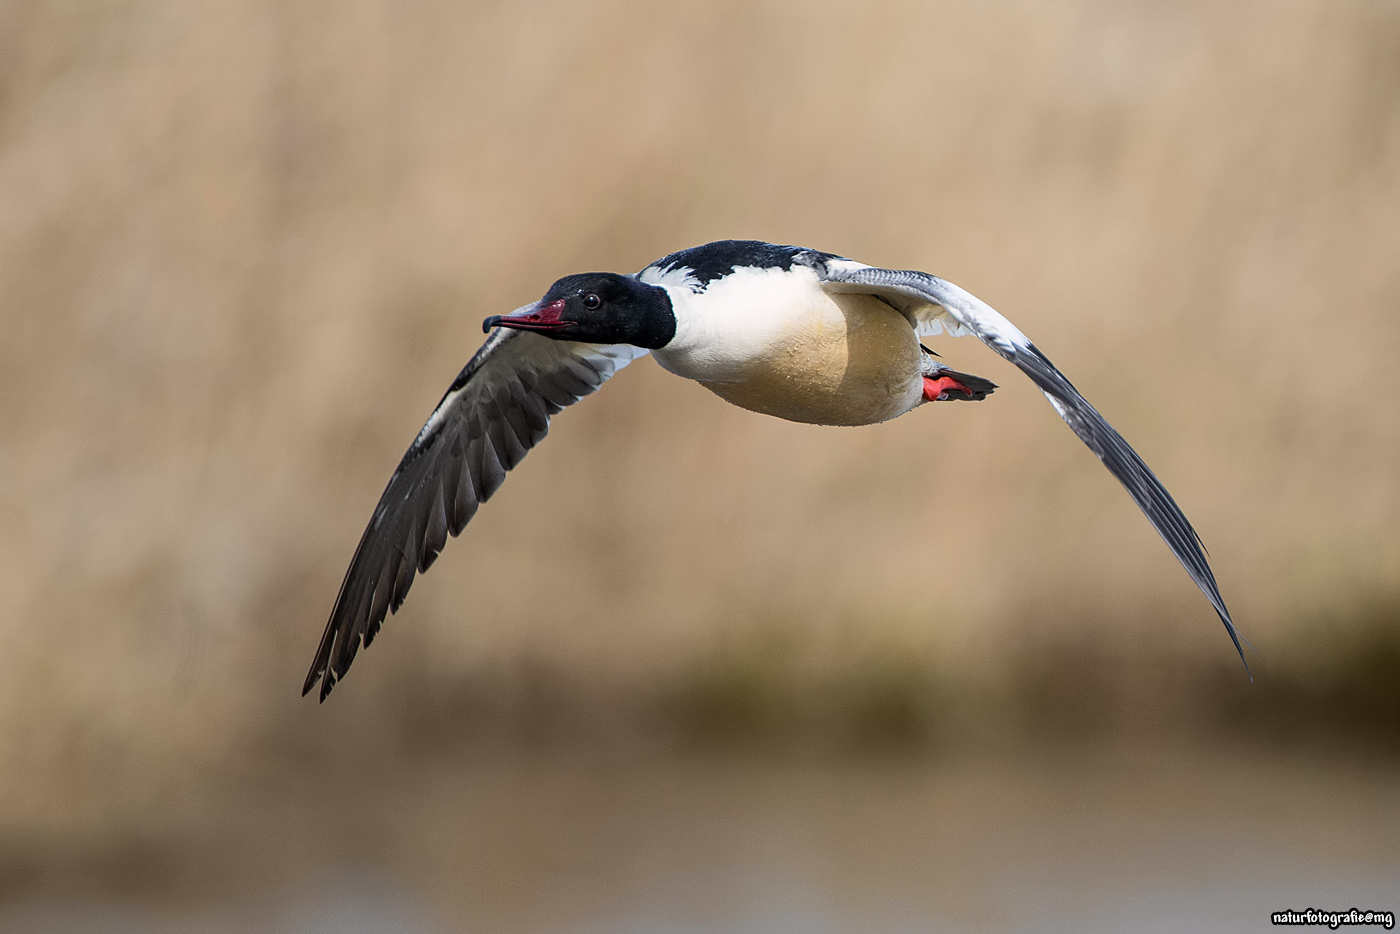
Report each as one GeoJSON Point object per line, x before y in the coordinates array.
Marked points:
{"type": "Point", "coordinates": [944, 385]}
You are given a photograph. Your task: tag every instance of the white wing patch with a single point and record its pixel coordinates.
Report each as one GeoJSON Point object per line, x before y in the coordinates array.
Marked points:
{"type": "Point", "coordinates": [679, 276]}
{"type": "Point", "coordinates": [928, 318]}
{"type": "Point", "coordinates": [612, 356]}
{"type": "Point", "coordinates": [838, 264]}
{"type": "Point", "coordinates": [967, 313]}
{"type": "Point", "coordinates": [938, 320]}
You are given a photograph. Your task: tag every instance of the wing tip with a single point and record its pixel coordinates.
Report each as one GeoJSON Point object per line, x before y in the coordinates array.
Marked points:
{"type": "Point", "coordinates": [321, 663]}
{"type": "Point", "coordinates": [1239, 641]}
{"type": "Point", "coordinates": [320, 671]}
{"type": "Point", "coordinates": [325, 674]}
{"type": "Point", "coordinates": [1235, 638]}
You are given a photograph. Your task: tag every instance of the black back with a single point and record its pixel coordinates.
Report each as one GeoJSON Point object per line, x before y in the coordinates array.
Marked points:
{"type": "Point", "coordinates": [718, 259]}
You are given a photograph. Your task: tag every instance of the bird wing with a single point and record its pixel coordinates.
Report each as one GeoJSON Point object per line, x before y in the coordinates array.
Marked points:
{"type": "Point", "coordinates": [495, 411]}
{"type": "Point", "coordinates": [934, 305]}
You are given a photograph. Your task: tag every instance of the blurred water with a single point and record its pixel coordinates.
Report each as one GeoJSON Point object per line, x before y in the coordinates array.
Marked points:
{"type": "Point", "coordinates": [352, 904]}
{"type": "Point", "coordinates": [1078, 840]}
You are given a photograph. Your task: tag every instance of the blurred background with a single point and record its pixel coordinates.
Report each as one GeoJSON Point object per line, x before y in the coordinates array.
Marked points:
{"type": "Point", "coordinates": [694, 668]}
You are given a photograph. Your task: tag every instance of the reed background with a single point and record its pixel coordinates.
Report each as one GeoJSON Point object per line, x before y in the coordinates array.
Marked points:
{"type": "Point", "coordinates": [244, 246]}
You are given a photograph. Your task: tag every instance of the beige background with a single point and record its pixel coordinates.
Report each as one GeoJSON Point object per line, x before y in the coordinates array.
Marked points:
{"type": "Point", "coordinates": [245, 246]}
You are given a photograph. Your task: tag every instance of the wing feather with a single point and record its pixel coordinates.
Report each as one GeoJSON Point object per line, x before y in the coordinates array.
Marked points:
{"type": "Point", "coordinates": [933, 304]}
{"type": "Point", "coordinates": [495, 411]}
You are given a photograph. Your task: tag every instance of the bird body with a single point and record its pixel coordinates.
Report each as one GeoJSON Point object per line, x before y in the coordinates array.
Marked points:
{"type": "Point", "coordinates": [771, 340]}
{"type": "Point", "coordinates": [785, 331]}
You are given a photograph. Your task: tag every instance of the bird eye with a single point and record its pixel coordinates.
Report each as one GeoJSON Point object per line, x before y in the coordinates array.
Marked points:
{"type": "Point", "coordinates": [591, 301]}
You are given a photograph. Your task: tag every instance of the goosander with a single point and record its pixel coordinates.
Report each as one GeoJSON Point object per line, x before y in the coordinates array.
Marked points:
{"type": "Point", "coordinates": [782, 330]}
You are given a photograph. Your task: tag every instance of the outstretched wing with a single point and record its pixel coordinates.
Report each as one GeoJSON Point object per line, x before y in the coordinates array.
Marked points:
{"type": "Point", "coordinates": [934, 305]}
{"type": "Point", "coordinates": [496, 410]}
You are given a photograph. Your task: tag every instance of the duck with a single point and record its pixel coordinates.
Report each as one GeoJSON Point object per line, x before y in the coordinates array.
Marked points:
{"type": "Point", "coordinates": [785, 331]}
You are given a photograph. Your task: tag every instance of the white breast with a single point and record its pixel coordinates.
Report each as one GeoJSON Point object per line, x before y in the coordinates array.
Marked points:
{"type": "Point", "coordinates": [774, 341]}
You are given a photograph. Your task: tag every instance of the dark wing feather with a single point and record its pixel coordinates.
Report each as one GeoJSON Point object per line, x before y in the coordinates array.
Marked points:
{"type": "Point", "coordinates": [933, 304]}
{"type": "Point", "coordinates": [496, 410]}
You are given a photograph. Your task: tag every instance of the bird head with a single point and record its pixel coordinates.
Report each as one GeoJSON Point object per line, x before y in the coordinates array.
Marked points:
{"type": "Point", "coordinates": [598, 308]}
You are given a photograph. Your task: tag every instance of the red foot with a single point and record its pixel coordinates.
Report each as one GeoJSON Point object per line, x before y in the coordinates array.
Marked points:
{"type": "Point", "coordinates": [936, 390]}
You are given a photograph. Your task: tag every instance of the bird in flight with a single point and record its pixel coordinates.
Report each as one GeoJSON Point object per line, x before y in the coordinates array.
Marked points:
{"type": "Point", "coordinates": [782, 330]}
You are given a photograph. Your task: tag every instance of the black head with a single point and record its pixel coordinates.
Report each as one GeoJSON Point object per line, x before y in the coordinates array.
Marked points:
{"type": "Point", "coordinates": [598, 308]}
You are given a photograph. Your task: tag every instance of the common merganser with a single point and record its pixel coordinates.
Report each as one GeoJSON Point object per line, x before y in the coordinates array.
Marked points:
{"type": "Point", "coordinates": [782, 330]}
